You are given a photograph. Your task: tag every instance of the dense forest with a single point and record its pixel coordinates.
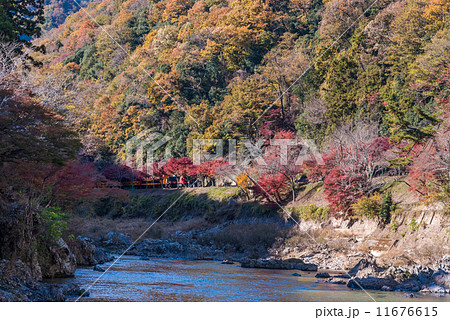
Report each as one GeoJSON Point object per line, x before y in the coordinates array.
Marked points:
{"type": "Point", "coordinates": [225, 63]}
{"type": "Point", "coordinates": [365, 75]}
{"type": "Point", "coordinates": [367, 81]}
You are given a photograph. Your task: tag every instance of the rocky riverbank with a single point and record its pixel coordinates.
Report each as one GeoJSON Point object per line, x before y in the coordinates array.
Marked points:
{"type": "Point", "coordinates": [413, 278]}
{"type": "Point", "coordinates": [365, 274]}
{"type": "Point", "coordinates": [27, 282]}
{"type": "Point", "coordinates": [289, 264]}
{"type": "Point", "coordinates": [348, 257]}
{"type": "Point", "coordinates": [17, 283]}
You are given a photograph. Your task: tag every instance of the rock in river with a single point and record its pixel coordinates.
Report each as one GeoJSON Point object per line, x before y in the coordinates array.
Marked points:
{"type": "Point", "coordinates": [410, 278]}
{"type": "Point", "coordinates": [86, 253]}
{"type": "Point", "coordinates": [294, 264]}
{"type": "Point", "coordinates": [99, 269]}
{"type": "Point", "coordinates": [84, 250]}
{"type": "Point", "coordinates": [115, 241]}
{"type": "Point", "coordinates": [322, 275]}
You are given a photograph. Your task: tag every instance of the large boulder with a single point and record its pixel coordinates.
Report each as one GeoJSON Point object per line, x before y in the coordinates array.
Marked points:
{"type": "Point", "coordinates": [372, 283]}
{"type": "Point", "coordinates": [17, 283]}
{"type": "Point", "coordinates": [101, 256]}
{"type": "Point", "coordinates": [36, 291]}
{"type": "Point", "coordinates": [365, 268]}
{"type": "Point", "coordinates": [444, 263]}
{"type": "Point", "coordinates": [15, 271]}
{"type": "Point", "coordinates": [115, 241]}
{"type": "Point", "coordinates": [84, 250]}
{"type": "Point", "coordinates": [367, 275]}
{"type": "Point", "coordinates": [434, 288]}
{"type": "Point", "coordinates": [176, 249]}
{"type": "Point", "coordinates": [441, 278]}
{"type": "Point", "coordinates": [57, 261]}
{"type": "Point", "coordinates": [39, 292]}
{"type": "Point", "coordinates": [322, 275]}
{"type": "Point", "coordinates": [86, 253]}
{"type": "Point", "coordinates": [157, 247]}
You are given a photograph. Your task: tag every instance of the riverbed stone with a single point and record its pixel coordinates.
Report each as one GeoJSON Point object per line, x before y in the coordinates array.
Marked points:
{"type": "Point", "coordinates": [338, 281]}
{"type": "Point", "coordinates": [433, 288]}
{"type": "Point", "coordinates": [98, 268]}
{"type": "Point", "coordinates": [332, 280]}
{"type": "Point", "coordinates": [371, 283]}
{"type": "Point", "coordinates": [322, 275]}
{"type": "Point", "coordinates": [342, 276]}
{"type": "Point", "coordinates": [296, 264]}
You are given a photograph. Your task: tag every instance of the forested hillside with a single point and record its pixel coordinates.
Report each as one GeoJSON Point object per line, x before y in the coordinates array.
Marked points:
{"type": "Point", "coordinates": [358, 74]}
{"type": "Point", "coordinates": [367, 82]}
{"type": "Point", "coordinates": [225, 62]}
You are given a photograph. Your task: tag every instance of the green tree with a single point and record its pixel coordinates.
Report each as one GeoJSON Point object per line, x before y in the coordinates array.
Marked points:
{"type": "Point", "coordinates": [339, 89]}
{"type": "Point", "coordinates": [20, 21]}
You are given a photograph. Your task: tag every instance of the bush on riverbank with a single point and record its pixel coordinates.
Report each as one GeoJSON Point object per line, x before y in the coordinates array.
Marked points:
{"type": "Point", "coordinates": [375, 207]}
{"type": "Point", "coordinates": [310, 212]}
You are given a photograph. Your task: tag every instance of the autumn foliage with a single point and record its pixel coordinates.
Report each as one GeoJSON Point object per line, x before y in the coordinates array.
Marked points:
{"type": "Point", "coordinates": [272, 187]}
{"type": "Point", "coordinates": [371, 95]}
{"type": "Point", "coordinates": [429, 174]}
{"type": "Point", "coordinates": [179, 167]}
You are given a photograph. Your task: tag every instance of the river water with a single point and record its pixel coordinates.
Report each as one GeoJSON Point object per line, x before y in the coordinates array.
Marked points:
{"type": "Point", "coordinates": [132, 279]}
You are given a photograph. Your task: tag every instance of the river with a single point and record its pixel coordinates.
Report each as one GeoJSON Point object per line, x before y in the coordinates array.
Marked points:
{"type": "Point", "coordinates": [132, 279]}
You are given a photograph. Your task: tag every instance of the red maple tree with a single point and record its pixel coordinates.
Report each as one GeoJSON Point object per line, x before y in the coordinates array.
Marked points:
{"type": "Point", "coordinates": [181, 167]}
{"type": "Point", "coordinates": [272, 187]}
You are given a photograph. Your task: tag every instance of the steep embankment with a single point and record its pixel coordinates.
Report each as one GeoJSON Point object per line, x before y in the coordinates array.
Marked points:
{"type": "Point", "coordinates": [218, 219]}
{"type": "Point", "coordinates": [416, 233]}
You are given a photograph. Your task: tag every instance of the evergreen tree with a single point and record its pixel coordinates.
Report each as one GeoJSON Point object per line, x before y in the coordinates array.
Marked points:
{"type": "Point", "coordinates": [20, 20]}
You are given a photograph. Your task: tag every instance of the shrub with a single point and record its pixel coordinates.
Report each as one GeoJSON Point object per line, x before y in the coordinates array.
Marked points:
{"type": "Point", "coordinates": [375, 207]}
{"type": "Point", "coordinates": [108, 207]}
{"type": "Point", "coordinates": [394, 226]}
{"type": "Point", "coordinates": [310, 212]}
{"type": "Point", "coordinates": [387, 207]}
{"type": "Point", "coordinates": [413, 225]}
{"type": "Point", "coordinates": [54, 222]}
{"type": "Point", "coordinates": [368, 206]}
